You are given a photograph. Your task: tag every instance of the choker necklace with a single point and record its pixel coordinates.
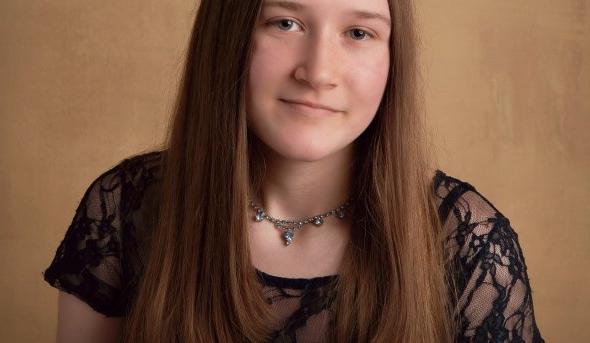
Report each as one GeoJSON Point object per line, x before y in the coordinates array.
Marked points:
{"type": "Point", "coordinates": [289, 226]}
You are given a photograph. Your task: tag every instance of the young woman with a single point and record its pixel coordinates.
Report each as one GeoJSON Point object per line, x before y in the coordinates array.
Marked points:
{"type": "Point", "coordinates": [294, 200]}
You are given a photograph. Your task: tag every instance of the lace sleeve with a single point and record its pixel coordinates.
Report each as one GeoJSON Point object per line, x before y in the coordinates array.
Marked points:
{"type": "Point", "coordinates": [87, 262]}
{"type": "Point", "coordinates": [495, 302]}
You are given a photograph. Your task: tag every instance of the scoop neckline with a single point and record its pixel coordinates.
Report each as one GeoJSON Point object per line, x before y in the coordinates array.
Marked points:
{"type": "Point", "coordinates": [296, 283]}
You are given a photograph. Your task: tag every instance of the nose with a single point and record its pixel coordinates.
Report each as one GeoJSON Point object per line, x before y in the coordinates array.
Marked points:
{"type": "Point", "coordinates": [317, 68]}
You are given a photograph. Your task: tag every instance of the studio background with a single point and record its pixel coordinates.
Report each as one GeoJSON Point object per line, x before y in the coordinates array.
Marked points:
{"type": "Point", "coordinates": [85, 84]}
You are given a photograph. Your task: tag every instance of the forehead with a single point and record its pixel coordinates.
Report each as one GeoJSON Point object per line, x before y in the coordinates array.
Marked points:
{"type": "Point", "coordinates": [365, 9]}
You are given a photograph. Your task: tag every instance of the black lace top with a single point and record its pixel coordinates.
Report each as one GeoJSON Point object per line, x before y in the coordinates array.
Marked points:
{"type": "Point", "coordinates": [100, 259]}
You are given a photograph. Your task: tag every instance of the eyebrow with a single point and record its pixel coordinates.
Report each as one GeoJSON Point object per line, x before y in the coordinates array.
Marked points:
{"type": "Point", "coordinates": [296, 6]}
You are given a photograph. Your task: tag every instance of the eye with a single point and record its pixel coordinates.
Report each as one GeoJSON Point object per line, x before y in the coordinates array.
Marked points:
{"type": "Point", "coordinates": [360, 33]}
{"type": "Point", "coordinates": [283, 24]}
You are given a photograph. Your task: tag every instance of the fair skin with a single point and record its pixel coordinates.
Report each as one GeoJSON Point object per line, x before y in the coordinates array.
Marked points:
{"type": "Point", "coordinates": [324, 52]}
{"type": "Point", "coordinates": [78, 322]}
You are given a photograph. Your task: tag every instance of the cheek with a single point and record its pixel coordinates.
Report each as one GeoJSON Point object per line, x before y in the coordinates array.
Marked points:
{"type": "Point", "coordinates": [368, 80]}
{"type": "Point", "coordinates": [268, 64]}
{"type": "Point", "coordinates": [366, 86]}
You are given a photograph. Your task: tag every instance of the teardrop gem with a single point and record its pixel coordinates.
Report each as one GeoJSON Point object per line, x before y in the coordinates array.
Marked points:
{"type": "Point", "coordinates": [259, 216]}
{"type": "Point", "coordinates": [318, 221]}
{"type": "Point", "coordinates": [340, 213]}
{"type": "Point", "coordinates": [288, 235]}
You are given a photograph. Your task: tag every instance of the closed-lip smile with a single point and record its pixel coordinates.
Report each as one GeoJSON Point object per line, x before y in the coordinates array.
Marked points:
{"type": "Point", "coordinates": [311, 104]}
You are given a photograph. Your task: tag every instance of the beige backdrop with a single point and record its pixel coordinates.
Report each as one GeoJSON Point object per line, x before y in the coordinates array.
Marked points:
{"type": "Point", "coordinates": [86, 83]}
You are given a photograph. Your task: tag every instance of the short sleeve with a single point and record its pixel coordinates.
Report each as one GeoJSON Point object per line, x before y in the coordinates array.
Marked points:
{"type": "Point", "coordinates": [87, 262]}
{"type": "Point", "coordinates": [495, 301]}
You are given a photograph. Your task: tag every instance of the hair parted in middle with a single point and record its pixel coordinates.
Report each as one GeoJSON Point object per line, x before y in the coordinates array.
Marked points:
{"type": "Point", "coordinates": [199, 285]}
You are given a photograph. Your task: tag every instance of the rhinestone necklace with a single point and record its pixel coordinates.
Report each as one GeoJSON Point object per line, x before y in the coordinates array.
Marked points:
{"type": "Point", "coordinates": [288, 226]}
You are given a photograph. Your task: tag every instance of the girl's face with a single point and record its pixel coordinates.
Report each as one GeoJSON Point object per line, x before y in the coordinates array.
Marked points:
{"type": "Point", "coordinates": [325, 53]}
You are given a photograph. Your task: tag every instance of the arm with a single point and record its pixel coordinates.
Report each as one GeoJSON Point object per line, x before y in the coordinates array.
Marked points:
{"type": "Point", "coordinates": [87, 267]}
{"type": "Point", "coordinates": [495, 303]}
{"type": "Point", "coordinates": [78, 322]}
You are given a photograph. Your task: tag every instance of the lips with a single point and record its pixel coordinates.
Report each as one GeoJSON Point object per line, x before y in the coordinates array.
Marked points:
{"type": "Point", "coordinates": [310, 104]}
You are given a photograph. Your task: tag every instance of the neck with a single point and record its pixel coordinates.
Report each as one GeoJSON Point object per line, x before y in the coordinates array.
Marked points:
{"type": "Point", "coordinates": [295, 189]}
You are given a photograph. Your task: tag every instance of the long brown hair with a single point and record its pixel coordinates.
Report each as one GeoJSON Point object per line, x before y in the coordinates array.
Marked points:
{"type": "Point", "coordinates": [199, 284]}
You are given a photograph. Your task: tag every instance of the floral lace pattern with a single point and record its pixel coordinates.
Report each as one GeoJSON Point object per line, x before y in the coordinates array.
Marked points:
{"type": "Point", "coordinates": [496, 298]}
{"type": "Point", "coordinates": [101, 259]}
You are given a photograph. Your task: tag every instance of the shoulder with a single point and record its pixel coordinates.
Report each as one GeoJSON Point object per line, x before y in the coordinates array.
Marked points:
{"type": "Point", "coordinates": [454, 194]}
{"type": "Point", "coordinates": [469, 218]}
{"type": "Point", "coordinates": [101, 254]}
{"type": "Point", "coordinates": [125, 183]}
{"type": "Point", "coordinates": [138, 171]}
{"type": "Point", "coordinates": [494, 293]}
{"type": "Point", "coordinates": [142, 169]}
{"type": "Point", "coordinates": [139, 176]}
{"type": "Point", "coordinates": [479, 236]}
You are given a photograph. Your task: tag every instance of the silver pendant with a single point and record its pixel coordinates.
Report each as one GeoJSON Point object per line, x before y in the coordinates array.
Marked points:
{"type": "Point", "coordinates": [259, 215]}
{"type": "Point", "coordinates": [288, 227]}
{"type": "Point", "coordinates": [318, 221]}
{"type": "Point", "coordinates": [288, 235]}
